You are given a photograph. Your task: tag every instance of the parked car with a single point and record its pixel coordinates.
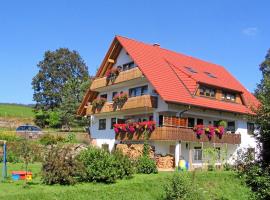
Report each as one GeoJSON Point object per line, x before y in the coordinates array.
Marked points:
{"type": "Point", "coordinates": [29, 131]}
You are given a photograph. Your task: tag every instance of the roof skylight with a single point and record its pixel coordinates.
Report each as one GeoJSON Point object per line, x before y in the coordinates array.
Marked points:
{"type": "Point", "coordinates": [210, 75]}
{"type": "Point", "coordinates": [190, 69]}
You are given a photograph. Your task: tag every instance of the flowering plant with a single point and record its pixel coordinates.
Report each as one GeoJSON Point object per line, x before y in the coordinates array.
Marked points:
{"type": "Point", "coordinates": [120, 99]}
{"type": "Point", "coordinates": [132, 127]}
{"type": "Point", "coordinates": [98, 103]}
{"type": "Point", "coordinates": [210, 131]}
{"type": "Point", "coordinates": [199, 130]}
{"type": "Point", "coordinates": [219, 131]}
{"type": "Point", "coordinates": [112, 74]}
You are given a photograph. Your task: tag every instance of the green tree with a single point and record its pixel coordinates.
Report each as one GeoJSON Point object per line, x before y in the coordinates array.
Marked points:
{"type": "Point", "coordinates": [263, 113]}
{"type": "Point", "coordinates": [73, 93]}
{"type": "Point", "coordinates": [56, 70]}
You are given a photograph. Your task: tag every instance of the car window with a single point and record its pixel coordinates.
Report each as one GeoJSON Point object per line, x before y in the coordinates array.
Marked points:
{"type": "Point", "coordinates": [35, 128]}
{"type": "Point", "coordinates": [20, 128]}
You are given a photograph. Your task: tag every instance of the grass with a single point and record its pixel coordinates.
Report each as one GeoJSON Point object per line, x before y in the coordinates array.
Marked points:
{"type": "Point", "coordinates": [213, 185]}
{"type": "Point", "coordinates": [15, 111]}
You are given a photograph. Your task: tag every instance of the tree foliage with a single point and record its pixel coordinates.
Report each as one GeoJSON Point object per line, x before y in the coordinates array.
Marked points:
{"type": "Point", "coordinates": [263, 113]}
{"type": "Point", "coordinates": [59, 86]}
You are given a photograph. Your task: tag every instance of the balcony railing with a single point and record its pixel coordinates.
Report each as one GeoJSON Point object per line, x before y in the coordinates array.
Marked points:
{"type": "Point", "coordinates": [180, 134]}
{"type": "Point", "coordinates": [144, 103]}
{"type": "Point", "coordinates": [122, 77]}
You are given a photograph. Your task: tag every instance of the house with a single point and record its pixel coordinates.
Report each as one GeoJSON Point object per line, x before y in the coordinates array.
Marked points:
{"type": "Point", "coordinates": [181, 105]}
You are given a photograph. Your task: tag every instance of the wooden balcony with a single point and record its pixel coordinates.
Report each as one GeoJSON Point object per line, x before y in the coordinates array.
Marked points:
{"type": "Point", "coordinates": [144, 103]}
{"type": "Point", "coordinates": [180, 134]}
{"type": "Point", "coordinates": [122, 77]}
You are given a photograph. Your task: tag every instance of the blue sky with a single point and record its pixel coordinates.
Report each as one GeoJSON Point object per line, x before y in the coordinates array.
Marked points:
{"type": "Point", "coordinates": [231, 33]}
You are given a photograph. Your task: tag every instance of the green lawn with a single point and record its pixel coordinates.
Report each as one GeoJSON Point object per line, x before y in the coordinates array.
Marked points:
{"type": "Point", "coordinates": [16, 111]}
{"type": "Point", "coordinates": [213, 185]}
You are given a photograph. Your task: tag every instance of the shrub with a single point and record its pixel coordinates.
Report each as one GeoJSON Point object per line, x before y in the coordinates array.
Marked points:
{"type": "Point", "coordinates": [9, 136]}
{"type": "Point", "coordinates": [60, 167]}
{"type": "Point", "coordinates": [47, 139]}
{"type": "Point", "coordinates": [123, 164]}
{"type": "Point", "coordinates": [179, 187]}
{"type": "Point", "coordinates": [71, 138]}
{"type": "Point", "coordinates": [100, 166]}
{"type": "Point", "coordinates": [146, 165]}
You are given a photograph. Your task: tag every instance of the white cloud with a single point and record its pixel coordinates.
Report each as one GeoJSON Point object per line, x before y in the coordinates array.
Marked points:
{"type": "Point", "coordinates": [250, 31]}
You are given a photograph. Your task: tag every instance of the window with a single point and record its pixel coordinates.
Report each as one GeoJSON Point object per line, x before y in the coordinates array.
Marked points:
{"type": "Point", "coordinates": [197, 154]}
{"type": "Point", "coordinates": [172, 149]}
{"type": "Point", "coordinates": [128, 66]}
{"type": "Point", "coordinates": [191, 122]}
{"type": "Point", "coordinates": [144, 89]}
{"type": "Point", "coordinates": [190, 69]}
{"type": "Point", "coordinates": [121, 121]}
{"type": "Point", "coordinates": [250, 128]}
{"type": "Point", "coordinates": [138, 91]}
{"type": "Point", "coordinates": [102, 124]}
{"type": "Point", "coordinates": [103, 96]}
{"type": "Point", "coordinates": [113, 122]}
{"type": "Point", "coordinates": [210, 75]}
{"type": "Point", "coordinates": [160, 120]}
{"type": "Point", "coordinates": [199, 121]}
{"type": "Point", "coordinates": [114, 94]}
{"type": "Point", "coordinates": [231, 127]}
{"type": "Point", "coordinates": [216, 123]}
{"type": "Point", "coordinates": [226, 96]}
{"type": "Point", "coordinates": [208, 92]}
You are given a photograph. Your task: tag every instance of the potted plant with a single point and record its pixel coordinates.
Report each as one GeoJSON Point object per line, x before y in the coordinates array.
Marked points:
{"type": "Point", "coordinates": [112, 74]}
{"type": "Point", "coordinates": [209, 131]}
{"type": "Point", "coordinates": [199, 130]}
{"type": "Point", "coordinates": [98, 103]}
{"type": "Point", "coordinates": [120, 99]}
{"type": "Point", "coordinates": [219, 131]}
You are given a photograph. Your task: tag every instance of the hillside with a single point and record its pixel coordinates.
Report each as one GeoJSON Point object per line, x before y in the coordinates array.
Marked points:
{"type": "Point", "coordinates": [16, 111]}
{"type": "Point", "coordinates": [13, 115]}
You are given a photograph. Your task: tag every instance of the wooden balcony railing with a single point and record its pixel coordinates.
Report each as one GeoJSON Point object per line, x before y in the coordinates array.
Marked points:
{"type": "Point", "coordinates": [180, 134]}
{"type": "Point", "coordinates": [145, 102]}
{"type": "Point", "coordinates": [122, 77]}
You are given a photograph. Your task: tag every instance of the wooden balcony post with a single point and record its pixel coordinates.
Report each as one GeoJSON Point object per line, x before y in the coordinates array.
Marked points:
{"type": "Point", "coordinates": [177, 153]}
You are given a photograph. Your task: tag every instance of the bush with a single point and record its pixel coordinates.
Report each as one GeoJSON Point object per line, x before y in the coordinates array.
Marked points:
{"type": "Point", "coordinates": [9, 136]}
{"type": "Point", "coordinates": [146, 165]}
{"type": "Point", "coordinates": [179, 187]}
{"type": "Point", "coordinates": [124, 165]}
{"type": "Point", "coordinates": [71, 138]}
{"type": "Point", "coordinates": [60, 167]}
{"type": "Point", "coordinates": [100, 166]}
{"type": "Point", "coordinates": [49, 139]}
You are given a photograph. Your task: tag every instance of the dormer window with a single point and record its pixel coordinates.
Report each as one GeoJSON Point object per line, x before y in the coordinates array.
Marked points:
{"type": "Point", "coordinates": [227, 96]}
{"type": "Point", "coordinates": [208, 92]}
{"type": "Point", "coordinates": [210, 75]}
{"type": "Point", "coordinates": [190, 69]}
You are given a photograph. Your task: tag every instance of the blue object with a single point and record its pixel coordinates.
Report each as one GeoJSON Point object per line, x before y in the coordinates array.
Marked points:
{"type": "Point", "coordinates": [15, 177]}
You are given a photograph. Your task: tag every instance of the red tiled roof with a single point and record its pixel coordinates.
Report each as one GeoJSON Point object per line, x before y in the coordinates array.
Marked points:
{"type": "Point", "coordinates": [166, 71]}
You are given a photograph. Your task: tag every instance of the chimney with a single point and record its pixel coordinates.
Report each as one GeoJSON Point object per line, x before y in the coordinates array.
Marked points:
{"type": "Point", "coordinates": [156, 45]}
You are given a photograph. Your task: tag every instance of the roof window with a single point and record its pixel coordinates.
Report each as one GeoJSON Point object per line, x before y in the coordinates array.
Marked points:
{"type": "Point", "coordinates": [210, 75]}
{"type": "Point", "coordinates": [190, 69]}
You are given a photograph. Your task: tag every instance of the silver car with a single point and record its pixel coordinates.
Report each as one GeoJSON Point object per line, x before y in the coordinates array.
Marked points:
{"type": "Point", "coordinates": [29, 131]}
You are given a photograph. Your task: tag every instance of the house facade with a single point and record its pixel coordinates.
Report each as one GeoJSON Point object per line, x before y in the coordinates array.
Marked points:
{"type": "Point", "coordinates": [179, 104]}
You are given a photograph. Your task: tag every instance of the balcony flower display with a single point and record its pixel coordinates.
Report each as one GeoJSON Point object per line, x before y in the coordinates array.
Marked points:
{"type": "Point", "coordinates": [199, 130]}
{"type": "Point", "coordinates": [112, 74]}
{"type": "Point", "coordinates": [220, 131]}
{"type": "Point", "coordinates": [209, 131]}
{"type": "Point", "coordinates": [133, 127]}
{"type": "Point", "coordinates": [120, 99]}
{"type": "Point", "coordinates": [98, 103]}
